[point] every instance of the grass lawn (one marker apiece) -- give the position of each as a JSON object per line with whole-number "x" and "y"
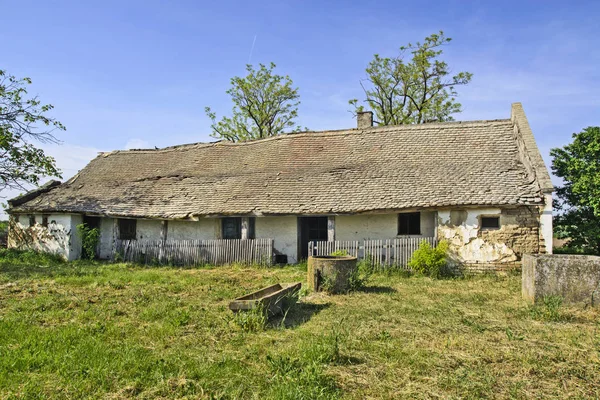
{"x": 121, "y": 331}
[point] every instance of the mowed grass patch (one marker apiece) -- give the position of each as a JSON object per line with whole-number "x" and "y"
{"x": 72, "y": 330}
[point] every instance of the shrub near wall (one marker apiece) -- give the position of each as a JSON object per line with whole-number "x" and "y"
{"x": 430, "y": 261}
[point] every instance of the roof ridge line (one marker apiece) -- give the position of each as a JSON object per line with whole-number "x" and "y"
{"x": 291, "y": 135}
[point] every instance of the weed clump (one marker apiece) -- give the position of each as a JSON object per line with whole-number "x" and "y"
{"x": 550, "y": 309}
{"x": 254, "y": 320}
{"x": 431, "y": 261}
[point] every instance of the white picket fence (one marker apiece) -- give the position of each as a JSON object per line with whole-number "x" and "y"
{"x": 382, "y": 253}
{"x": 196, "y": 252}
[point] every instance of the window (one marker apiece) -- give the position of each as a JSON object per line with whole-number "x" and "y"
{"x": 31, "y": 220}
{"x": 409, "y": 223}
{"x": 490, "y": 222}
{"x": 231, "y": 228}
{"x": 127, "y": 229}
{"x": 45, "y": 221}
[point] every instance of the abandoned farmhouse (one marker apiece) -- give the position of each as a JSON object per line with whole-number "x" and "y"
{"x": 480, "y": 185}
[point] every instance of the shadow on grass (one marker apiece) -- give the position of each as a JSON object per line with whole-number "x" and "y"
{"x": 299, "y": 314}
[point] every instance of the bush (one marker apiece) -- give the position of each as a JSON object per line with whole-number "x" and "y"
{"x": 3, "y": 233}
{"x": 430, "y": 261}
{"x": 360, "y": 276}
{"x": 90, "y": 237}
{"x": 339, "y": 253}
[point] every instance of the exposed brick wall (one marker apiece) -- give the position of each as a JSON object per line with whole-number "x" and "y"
{"x": 520, "y": 230}
{"x": 480, "y": 250}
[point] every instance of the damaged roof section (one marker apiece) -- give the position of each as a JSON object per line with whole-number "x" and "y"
{"x": 348, "y": 171}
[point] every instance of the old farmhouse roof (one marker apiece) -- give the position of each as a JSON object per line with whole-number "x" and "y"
{"x": 348, "y": 171}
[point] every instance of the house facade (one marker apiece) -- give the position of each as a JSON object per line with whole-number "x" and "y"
{"x": 480, "y": 185}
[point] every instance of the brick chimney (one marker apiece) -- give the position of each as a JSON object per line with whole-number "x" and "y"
{"x": 364, "y": 119}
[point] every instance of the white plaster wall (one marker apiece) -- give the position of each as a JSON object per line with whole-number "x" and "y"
{"x": 107, "y": 227}
{"x": 203, "y": 229}
{"x": 378, "y": 226}
{"x": 284, "y": 231}
{"x": 75, "y": 248}
{"x": 546, "y": 223}
{"x": 59, "y": 237}
{"x": 464, "y": 244}
{"x": 148, "y": 229}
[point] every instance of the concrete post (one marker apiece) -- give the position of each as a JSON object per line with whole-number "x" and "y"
{"x": 331, "y": 228}
{"x": 245, "y": 227}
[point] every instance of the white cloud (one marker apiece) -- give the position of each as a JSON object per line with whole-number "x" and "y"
{"x": 136, "y": 143}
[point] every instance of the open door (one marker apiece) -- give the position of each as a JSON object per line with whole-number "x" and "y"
{"x": 92, "y": 222}
{"x": 311, "y": 229}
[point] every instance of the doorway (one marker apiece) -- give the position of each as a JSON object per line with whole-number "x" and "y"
{"x": 311, "y": 229}
{"x": 92, "y": 223}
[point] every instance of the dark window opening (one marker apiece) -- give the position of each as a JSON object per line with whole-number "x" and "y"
{"x": 45, "y": 221}
{"x": 251, "y": 228}
{"x": 127, "y": 229}
{"x": 231, "y": 228}
{"x": 31, "y": 220}
{"x": 409, "y": 223}
{"x": 490, "y": 222}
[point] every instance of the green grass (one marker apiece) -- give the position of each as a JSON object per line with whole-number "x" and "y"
{"x": 95, "y": 330}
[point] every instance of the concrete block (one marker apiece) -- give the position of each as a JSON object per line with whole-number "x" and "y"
{"x": 575, "y": 278}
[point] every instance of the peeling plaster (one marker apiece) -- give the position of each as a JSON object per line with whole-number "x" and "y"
{"x": 460, "y": 228}
{"x": 55, "y": 238}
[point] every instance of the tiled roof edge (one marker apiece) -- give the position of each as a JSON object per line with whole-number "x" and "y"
{"x": 542, "y": 175}
{"x": 32, "y": 194}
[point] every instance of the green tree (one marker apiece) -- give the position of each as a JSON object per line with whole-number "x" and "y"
{"x": 414, "y": 91}
{"x": 24, "y": 124}
{"x": 578, "y": 200}
{"x": 264, "y": 104}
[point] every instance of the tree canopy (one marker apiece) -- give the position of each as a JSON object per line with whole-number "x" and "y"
{"x": 24, "y": 124}
{"x": 578, "y": 199}
{"x": 264, "y": 104}
{"x": 414, "y": 91}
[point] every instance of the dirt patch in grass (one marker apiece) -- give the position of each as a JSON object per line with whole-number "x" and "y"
{"x": 122, "y": 331}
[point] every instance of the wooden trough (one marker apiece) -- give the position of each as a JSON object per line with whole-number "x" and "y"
{"x": 274, "y": 299}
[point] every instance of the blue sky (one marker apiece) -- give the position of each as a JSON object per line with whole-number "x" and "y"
{"x": 127, "y": 74}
